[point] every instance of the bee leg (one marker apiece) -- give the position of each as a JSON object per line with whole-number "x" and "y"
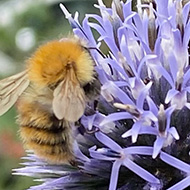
{"x": 73, "y": 163}
{"x": 93, "y": 130}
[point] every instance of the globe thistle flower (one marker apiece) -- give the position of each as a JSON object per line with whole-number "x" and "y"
{"x": 138, "y": 136}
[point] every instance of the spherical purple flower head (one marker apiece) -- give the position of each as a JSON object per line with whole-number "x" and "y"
{"x": 138, "y": 136}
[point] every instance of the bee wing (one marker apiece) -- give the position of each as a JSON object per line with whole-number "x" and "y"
{"x": 69, "y": 101}
{"x": 10, "y": 89}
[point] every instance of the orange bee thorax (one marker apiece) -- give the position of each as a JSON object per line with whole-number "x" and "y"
{"x": 52, "y": 62}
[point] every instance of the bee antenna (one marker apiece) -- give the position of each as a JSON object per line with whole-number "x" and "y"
{"x": 88, "y": 48}
{"x": 97, "y": 51}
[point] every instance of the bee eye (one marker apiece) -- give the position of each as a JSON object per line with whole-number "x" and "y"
{"x": 92, "y": 89}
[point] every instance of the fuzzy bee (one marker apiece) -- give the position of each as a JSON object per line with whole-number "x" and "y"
{"x": 50, "y": 94}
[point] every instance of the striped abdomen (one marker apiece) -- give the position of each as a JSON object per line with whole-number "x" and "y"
{"x": 42, "y": 132}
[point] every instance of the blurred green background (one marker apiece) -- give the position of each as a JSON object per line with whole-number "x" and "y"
{"x": 24, "y": 25}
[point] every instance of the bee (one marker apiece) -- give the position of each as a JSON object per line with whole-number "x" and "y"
{"x": 59, "y": 80}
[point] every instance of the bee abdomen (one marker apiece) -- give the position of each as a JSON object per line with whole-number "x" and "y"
{"x": 42, "y": 132}
{"x": 42, "y": 136}
{"x": 53, "y": 145}
{"x": 50, "y": 138}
